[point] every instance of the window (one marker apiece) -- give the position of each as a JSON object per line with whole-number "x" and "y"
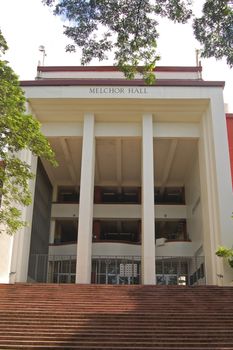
{"x": 68, "y": 195}
{"x": 66, "y": 231}
{"x": 169, "y": 195}
{"x": 171, "y": 230}
{"x": 120, "y": 230}
{"x": 62, "y": 271}
{"x": 129, "y": 195}
{"x": 172, "y": 271}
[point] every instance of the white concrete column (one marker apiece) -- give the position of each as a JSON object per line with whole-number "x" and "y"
{"x": 6, "y": 242}
{"x": 52, "y": 232}
{"x": 208, "y": 192}
{"x": 223, "y": 200}
{"x": 84, "y": 247}
{"x": 22, "y": 239}
{"x": 223, "y": 170}
{"x": 216, "y": 195}
{"x": 148, "y": 220}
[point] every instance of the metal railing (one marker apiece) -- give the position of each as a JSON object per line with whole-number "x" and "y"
{"x": 116, "y": 269}
{"x": 180, "y": 270}
{"x": 52, "y": 268}
{"x": 170, "y": 270}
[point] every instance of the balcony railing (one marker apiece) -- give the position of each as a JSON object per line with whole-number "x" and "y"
{"x": 117, "y": 269}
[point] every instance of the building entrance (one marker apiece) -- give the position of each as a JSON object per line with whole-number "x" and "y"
{"x": 116, "y": 270}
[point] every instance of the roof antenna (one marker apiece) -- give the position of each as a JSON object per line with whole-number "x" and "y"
{"x": 42, "y": 49}
{"x": 198, "y": 62}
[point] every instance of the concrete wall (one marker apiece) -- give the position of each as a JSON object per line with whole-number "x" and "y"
{"x": 194, "y": 204}
{"x": 5, "y": 256}
{"x": 127, "y": 249}
{"x": 41, "y": 218}
{"x": 229, "y": 121}
{"x": 122, "y": 211}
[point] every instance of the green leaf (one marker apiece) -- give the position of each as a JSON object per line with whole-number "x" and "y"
{"x": 19, "y": 131}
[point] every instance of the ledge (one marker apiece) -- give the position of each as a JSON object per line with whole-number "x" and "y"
{"x": 121, "y": 82}
{"x": 113, "y": 69}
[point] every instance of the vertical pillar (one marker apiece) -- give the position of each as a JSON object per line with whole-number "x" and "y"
{"x": 22, "y": 239}
{"x": 216, "y": 193}
{"x": 208, "y": 202}
{"x": 5, "y": 256}
{"x": 52, "y": 232}
{"x": 83, "y": 270}
{"x": 148, "y": 220}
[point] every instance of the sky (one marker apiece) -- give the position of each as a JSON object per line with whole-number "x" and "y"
{"x": 27, "y": 24}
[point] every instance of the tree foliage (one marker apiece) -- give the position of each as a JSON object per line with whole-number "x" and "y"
{"x": 226, "y": 253}
{"x": 18, "y": 131}
{"x": 130, "y": 29}
{"x": 215, "y": 29}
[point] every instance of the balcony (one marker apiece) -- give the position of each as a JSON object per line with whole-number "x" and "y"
{"x": 175, "y": 248}
{"x": 179, "y": 270}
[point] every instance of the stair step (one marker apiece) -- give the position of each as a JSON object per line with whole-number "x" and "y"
{"x": 94, "y": 317}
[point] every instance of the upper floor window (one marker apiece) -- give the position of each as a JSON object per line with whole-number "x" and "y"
{"x": 169, "y": 195}
{"x": 117, "y": 230}
{"x": 66, "y": 231}
{"x": 68, "y": 195}
{"x": 115, "y": 195}
{"x": 171, "y": 230}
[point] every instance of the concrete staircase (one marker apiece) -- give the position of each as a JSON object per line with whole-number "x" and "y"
{"x": 50, "y": 316}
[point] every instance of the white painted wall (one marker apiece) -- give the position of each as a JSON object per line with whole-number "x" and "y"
{"x": 123, "y": 211}
{"x": 176, "y": 249}
{"x": 116, "y": 249}
{"x": 194, "y": 204}
{"x": 5, "y": 256}
{"x": 154, "y": 92}
{"x": 223, "y": 184}
{"x": 216, "y": 188}
{"x": 118, "y": 129}
{"x": 119, "y": 211}
{"x": 114, "y": 75}
{"x": 126, "y": 249}
{"x": 63, "y": 249}
{"x": 22, "y": 238}
{"x": 62, "y": 129}
{"x": 63, "y": 211}
{"x": 104, "y": 129}
{"x": 173, "y": 130}
{"x": 170, "y": 211}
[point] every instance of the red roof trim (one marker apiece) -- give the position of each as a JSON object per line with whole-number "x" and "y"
{"x": 112, "y": 69}
{"x": 119, "y": 82}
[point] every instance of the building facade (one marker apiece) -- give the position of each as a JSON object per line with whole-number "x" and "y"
{"x": 143, "y": 190}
